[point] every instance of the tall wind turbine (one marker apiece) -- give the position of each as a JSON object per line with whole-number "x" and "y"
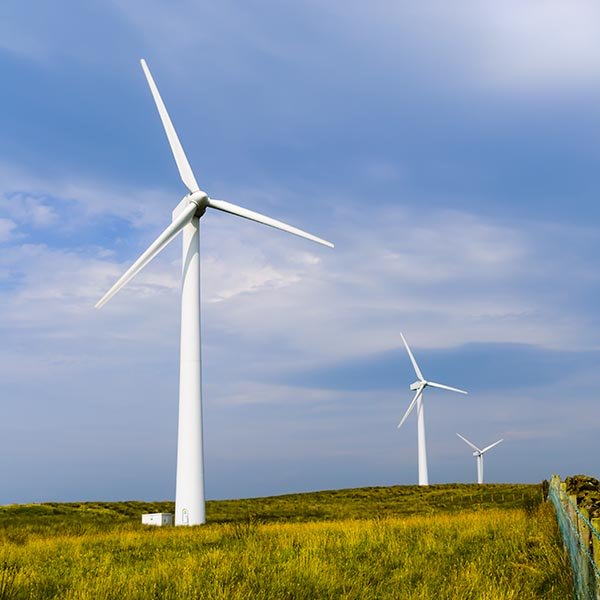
{"x": 189, "y": 497}
{"x": 478, "y": 454}
{"x": 419, "y": 387}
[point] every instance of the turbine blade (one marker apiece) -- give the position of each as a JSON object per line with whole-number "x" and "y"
{"x": 254, "y": 216}
{"x": 491, "y": 446}
{"x": 157, "y": 245}
{"x": 412, "y": 360}
{"x": 446, "y": 387}
{"x": 464, "y": 439}
{"x": 411, "y": 406}
{"x": 185, "y": 171}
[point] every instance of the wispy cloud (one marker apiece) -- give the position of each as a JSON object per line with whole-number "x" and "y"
{"x": 518, "y": 47}
{"x": 38, "y": 201}
{"x": 528, "y": 46}
{"x": 34, "y": 211}
{"x": 7, "y": 228}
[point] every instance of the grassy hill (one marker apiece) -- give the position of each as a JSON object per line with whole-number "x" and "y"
{"x": 445, "y": 541}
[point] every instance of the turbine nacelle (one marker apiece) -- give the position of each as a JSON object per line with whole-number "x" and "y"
{"x": 200, "y": 199}
{"x": 417, "y": 384}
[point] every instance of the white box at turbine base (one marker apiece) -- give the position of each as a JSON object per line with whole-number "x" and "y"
{"x": 158, "y": 519}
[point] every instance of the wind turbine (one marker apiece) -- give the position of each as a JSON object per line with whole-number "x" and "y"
{"x": 419, "y": 387}
{"x": 478, "y": 454}
{"x": 189, "y": 497}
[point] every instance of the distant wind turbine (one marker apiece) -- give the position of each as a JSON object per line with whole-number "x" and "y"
{"x": 478, "y": 454}
{"x": 419, "y": 387}
{"x": 189, "y": 497}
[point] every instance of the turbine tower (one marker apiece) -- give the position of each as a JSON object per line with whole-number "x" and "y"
{"x": 189, "y": 497}
{"x": 419, "y": 387}
{"x": 478, "y": 454}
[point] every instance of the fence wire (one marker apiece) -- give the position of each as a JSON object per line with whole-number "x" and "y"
{"x": 586, "y": 574}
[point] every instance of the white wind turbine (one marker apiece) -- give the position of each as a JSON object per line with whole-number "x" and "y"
{"x": 189, "y": 497}
{"x": 419, "y": 387}
{"x": 478, "y": 454}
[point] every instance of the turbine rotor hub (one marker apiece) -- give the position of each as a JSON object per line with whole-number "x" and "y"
{"x": 200, "y": 199}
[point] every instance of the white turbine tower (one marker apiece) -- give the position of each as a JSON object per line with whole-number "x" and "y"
{"x": 189, "y": 497}
{"x": 419, "y": 387}
{"x": 478, "y": 454}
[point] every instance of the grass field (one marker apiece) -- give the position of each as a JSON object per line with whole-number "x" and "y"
{"x": 491, "y": 541}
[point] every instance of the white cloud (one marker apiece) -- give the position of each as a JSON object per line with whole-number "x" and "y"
{"x": 448, "y": 279}
{"x": 31, "y": 210}
{"x": 535, "y": 44}
{"x": 515, "y": 46}
{"x": 453, "y": 279}
{"x": 29, "y": 199}
{"x": 7, "y": 229}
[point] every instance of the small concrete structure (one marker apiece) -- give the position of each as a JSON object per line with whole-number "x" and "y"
{"x": 158, "y": 519}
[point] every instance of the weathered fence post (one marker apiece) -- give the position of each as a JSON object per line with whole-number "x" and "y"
{"x": 587, "y": 574}
{"x": 596, "y": 548}
{"x": 595, "y": 542}
{"x": 571, "y": 508}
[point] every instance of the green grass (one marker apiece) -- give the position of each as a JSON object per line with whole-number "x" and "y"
{"x": 488, "y": 542}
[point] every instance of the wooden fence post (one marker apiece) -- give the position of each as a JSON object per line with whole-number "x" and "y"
{"x": 571, "y": 508}
{"x": 587, "y": 571}
{"x": 596, "y": 548}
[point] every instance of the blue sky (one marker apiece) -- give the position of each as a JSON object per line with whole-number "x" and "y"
{"x": 450, "y": 151}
